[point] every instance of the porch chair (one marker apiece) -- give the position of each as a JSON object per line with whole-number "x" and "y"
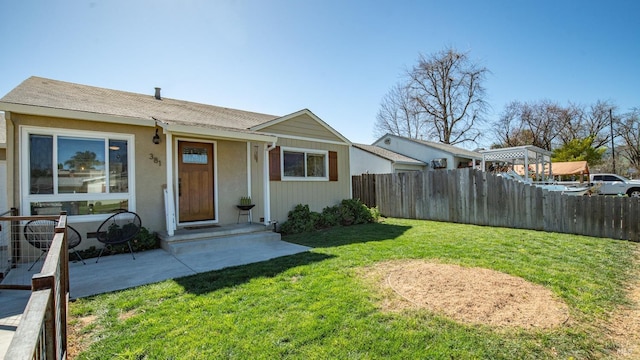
{"x": 119, "y": 228}
{"x": 39, "y": 233}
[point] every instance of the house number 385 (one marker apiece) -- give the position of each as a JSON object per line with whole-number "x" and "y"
{"x": 155, "y": 159}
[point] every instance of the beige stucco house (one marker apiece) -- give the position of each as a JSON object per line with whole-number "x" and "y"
{"x": 90, "y": 151}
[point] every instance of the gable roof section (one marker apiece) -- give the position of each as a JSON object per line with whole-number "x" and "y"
{"x": 46, "y": 97}
{"x": 279, "y": 127}
{"x": 453, "y": 150}
{"x": 389, "y": 155}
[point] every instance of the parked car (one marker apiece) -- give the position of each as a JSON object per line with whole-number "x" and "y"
{"x": 612, "y": 184}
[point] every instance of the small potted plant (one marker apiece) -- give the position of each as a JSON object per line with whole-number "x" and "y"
{"x": 246, "y": 203}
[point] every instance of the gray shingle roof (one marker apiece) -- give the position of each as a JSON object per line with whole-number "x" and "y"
{"x": 451, "y": 149}
{"x": 388, "y": 154}
{"x": 54, "y": 94}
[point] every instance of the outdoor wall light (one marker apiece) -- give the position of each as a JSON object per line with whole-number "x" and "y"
{"x": 156, "y": 138}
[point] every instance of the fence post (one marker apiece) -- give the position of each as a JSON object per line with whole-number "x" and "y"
{"x": 15, "y": 239}
{"x": 48, "y": 282}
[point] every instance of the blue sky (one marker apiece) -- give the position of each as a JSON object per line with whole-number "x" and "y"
{"x": 336, "y": 58}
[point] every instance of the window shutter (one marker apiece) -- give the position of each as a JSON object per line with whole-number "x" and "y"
{"x": 333, "y": 166}
{"x": 274, "y": 164}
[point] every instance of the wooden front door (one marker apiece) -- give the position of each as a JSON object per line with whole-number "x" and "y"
{"x": 195, "y": 181}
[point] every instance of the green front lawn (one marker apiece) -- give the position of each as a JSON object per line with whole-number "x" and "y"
{"x": 315, "y": 305}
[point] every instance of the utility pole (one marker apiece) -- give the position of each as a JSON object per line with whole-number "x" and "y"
{"x": 613, "y": 147}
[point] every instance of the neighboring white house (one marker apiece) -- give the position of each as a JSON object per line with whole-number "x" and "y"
{"x": 369, "y": 159}
{"x": 435, "y": 155}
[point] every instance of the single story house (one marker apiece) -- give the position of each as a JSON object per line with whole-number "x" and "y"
{"x": 370, "y": 159}
{"x": 435, "y": 155}
{"x": 178, "y": 164}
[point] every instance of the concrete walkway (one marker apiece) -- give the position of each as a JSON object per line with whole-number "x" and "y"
{"x": 119, "y": 272}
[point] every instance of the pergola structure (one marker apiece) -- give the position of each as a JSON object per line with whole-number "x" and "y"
{"x": 533, "y": 158}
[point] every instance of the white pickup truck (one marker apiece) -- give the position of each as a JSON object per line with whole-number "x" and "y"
{"x": 612, "y": 184}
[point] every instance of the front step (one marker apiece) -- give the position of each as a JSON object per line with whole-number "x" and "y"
{"x": 218, "y": 240}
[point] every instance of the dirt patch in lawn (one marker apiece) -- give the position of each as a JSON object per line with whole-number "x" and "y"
{"x": 470, "y": 295}
{"x": 624, "y": 325}
{"x": 78, "y": 337}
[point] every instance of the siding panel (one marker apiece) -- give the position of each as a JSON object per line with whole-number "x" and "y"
{"x": 302, "y": 126}
{"x": 317, "y": 194}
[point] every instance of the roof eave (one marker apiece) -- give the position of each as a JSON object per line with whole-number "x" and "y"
{"x": 469, "y": 156}
{"x": 410, "y": 163}
{"x": 218, "y": 133}
{"x": 73, "y": 114}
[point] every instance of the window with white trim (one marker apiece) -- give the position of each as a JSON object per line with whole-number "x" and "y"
{"x": 303, "y": 164}
{"x": 80, "y": 172}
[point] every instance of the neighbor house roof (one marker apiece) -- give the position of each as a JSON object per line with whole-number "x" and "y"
{"x": 45, "y": 96}
{"x": 389, "y": 155}
{"x": 457, "y": 151}
{"x": 454, "y": 150}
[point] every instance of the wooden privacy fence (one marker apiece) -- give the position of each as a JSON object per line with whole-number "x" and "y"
{"x": 471, "y": 196}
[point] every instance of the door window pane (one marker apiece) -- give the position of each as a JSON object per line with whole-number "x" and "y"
{"x": 41, "y": 164}
{"x": 194, "y": 155}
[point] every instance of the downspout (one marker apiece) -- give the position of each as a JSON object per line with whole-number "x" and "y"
{"x": 169, "y": 193}
{"x": 249, "y": 169}
{"x": 266, "y": 182}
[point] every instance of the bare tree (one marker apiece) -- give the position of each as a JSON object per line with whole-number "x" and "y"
{"x": 399, "y": 115}
{"x": 548, "y": 125}
{"x": 442, "y": 99}
{"x": 537, "y": 124}
{"x": 572, "y": 124}
{"x": 629, "y": 131}
{"x": 447, "y": 87}
{"x": 597, "y": 122}
{"x": 509, "y": 130}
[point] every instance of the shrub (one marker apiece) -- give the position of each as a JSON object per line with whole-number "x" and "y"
{"x": 355, "y": 212}
{"x": 300, "y": 219}
{"x": 375, "y": 213}
{"x": 348, "y": 212}
{"x": 330, "y": 216}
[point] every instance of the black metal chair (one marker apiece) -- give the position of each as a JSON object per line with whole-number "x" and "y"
{"x": 39, "y": 233}
{"x": 119, "y": 228}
